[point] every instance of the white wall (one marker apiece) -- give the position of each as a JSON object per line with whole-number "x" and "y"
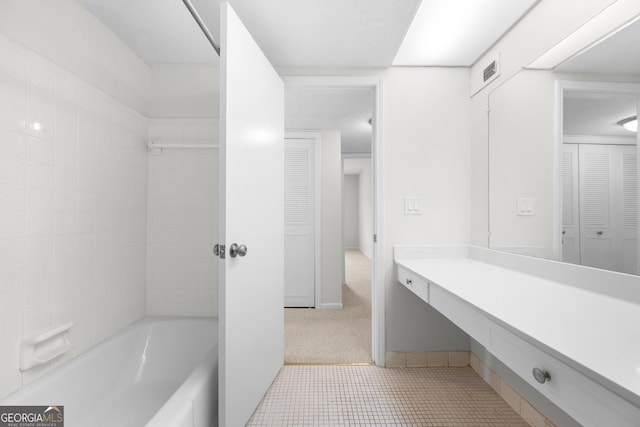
{"x": 184, "y": 91}
{"x": 522, "y": 162}
{"x": 351, "y": 203}
{"x": 67, "y": 34}
{"x": 182, "y": 273}
{"x": 182, "y": 225}
{"x": 365, "y": 211}
{"x": 331, "y": 223}
{"x": 426, "y": 154}
{"x": 72, "y": 196}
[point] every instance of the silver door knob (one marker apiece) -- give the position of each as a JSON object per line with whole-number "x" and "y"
{"x": 218, "y": 250}
{"x": 235, "y": 250}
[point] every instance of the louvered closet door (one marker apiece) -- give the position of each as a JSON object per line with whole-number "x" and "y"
{"x": 596, "y": 205}
{"x": 570, "y": 207}
{"x": 629, "y": 228}
{"x": 299, "y": 285}
{"x": 608, "y": 207}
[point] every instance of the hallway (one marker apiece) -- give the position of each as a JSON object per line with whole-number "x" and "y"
{"x": 334, "y": 336}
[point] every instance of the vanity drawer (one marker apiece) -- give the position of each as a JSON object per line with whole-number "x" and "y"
{"x": 590, "y": 403}
{"x": 413, "y": 282}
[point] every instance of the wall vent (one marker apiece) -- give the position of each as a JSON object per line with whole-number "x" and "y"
{"x": 490, "y": 70}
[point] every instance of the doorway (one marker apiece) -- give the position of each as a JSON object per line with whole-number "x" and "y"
{"x": 373, "y": 84}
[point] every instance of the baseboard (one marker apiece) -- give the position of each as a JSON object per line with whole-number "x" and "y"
{"x": 526, "y": 410}
{"x": 329, "y": 306}
{"x": 429, "y": 359}
{"x": 465, "y": 358}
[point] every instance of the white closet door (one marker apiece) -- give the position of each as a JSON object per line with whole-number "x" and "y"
{"x": 299, "y": 273}
{"x": 629, "y": 217}
{"x": 596, "y": 188}
{"x": 608, "y": 207}
{"x": 570, "y": 206}
{"x": 251, "y": 330}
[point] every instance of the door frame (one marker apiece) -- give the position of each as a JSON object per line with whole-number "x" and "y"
{"x": 561, "y": 88}
{"x": 317, "y": 209}
{"x": 378, "y": 291}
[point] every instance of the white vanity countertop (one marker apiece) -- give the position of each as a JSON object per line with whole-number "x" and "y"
{"x": 598, "y": 332}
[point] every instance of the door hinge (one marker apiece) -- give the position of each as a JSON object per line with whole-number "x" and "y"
{"x": 375, "y": 238}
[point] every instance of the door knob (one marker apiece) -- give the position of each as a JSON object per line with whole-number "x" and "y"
{"x": 218, "y": 250}
{"x": 235, "y": 250}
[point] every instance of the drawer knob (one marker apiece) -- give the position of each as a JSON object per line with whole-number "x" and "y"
{"x": 541, "y": 375}
{"x": 409, "y": 282}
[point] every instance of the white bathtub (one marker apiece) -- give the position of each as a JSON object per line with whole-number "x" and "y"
{"x": 160, "y": 371}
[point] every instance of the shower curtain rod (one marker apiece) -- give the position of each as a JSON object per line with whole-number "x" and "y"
{"x": 202, "y": 26}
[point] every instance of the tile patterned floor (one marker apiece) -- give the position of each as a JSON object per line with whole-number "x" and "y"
{"x": 372, "y": 396}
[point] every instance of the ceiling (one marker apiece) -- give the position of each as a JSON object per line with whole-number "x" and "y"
{"x": 319, "y": 33}
{"x": 617, "y": 53}
{"x": 159, "y": 31}
{"x": 355, "y": 166}
{"x": 597, "y": 114}
{"x": 346, "y": 109}
{"x": 292, "y": 33}
{"x": 362, "y": 34}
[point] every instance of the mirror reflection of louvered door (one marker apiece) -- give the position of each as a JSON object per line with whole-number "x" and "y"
{"x": 570, "y": 206}
{"x": 299, "y": 273}
{"x": 608, "y": 207}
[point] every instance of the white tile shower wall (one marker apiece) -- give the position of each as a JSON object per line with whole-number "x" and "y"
{"x": 72, "y": 208}
{"x": 182, "y": 222}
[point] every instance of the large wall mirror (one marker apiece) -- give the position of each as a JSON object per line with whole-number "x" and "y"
{"x": 563, "y": 181}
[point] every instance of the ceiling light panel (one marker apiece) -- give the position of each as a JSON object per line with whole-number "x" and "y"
{"x": 457, "y": 32}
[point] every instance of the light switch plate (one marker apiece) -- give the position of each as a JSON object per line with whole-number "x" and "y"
{"x": 526, "y": 206}
{"x": 413, "y": 205}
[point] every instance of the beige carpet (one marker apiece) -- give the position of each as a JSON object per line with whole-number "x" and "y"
{"x": 334, "y": 336}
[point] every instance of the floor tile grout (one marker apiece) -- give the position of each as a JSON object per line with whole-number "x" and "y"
{"x": 324, "y": 395}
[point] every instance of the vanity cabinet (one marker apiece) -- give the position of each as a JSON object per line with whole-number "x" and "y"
{"x": 541, "y": 329}
{"x": 415, "y": 283}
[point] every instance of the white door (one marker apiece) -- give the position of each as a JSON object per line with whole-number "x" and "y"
{"x": 596, "y": 216}
{"x": 608, "y": 207}
{"x": 251, "y": 312}
{"x": 299, "y": 223}
{"x": 570, "y": 205}
{"x": 628, "y": 228}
